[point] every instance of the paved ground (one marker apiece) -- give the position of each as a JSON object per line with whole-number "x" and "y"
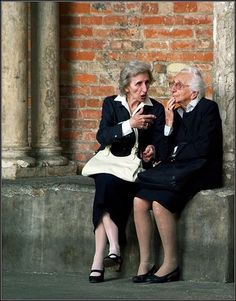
{"x": 76, "y": 287}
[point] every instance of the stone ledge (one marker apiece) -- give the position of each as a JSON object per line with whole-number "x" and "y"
{"x": 17, "y": 172}
{"x": 47, "y": 227}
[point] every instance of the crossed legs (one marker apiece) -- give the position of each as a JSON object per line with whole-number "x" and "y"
{"x": 166, "y": 225}
{"x": 106, "y": 230}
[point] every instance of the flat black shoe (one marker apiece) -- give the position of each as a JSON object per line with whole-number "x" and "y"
{"x": 173, "y": 276}
{"x": 143, "y": 278}
{"x": 97, "y": 279}
{"x": 113, "y": 260}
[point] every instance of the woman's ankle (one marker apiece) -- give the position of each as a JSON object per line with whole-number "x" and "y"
{"x": 114, "y": 251}
{"x": 144, "y": 267}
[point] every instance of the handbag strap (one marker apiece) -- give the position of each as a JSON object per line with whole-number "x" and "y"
{"x": 135, "y": 147}
{"x": 136, "y": 137}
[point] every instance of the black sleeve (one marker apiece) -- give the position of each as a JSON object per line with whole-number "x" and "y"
{"x": 207, "y": 141}
{"x": 110, "y": 127}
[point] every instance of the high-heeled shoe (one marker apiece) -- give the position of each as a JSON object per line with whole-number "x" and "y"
{"x": 143, "y": 278}
{"x": 172, "y": 276}
{"x": 97, "y": 279}
{"x": 112, "y": 260}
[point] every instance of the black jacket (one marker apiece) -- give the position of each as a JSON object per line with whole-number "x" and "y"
{"x": 199, "y": 135}
{"x": 110, "y": 128}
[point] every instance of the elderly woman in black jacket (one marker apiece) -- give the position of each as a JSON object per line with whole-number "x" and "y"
{"x": 132, "y": 110}
{"x": 193, "y": 131}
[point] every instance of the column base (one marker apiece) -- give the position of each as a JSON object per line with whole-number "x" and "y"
{"x": 49, "y": 156}
{"x": 23, "y": 161}
{"x": 52, "y": 161}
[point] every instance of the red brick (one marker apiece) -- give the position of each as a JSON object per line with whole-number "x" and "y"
{"x": 183, "y": 45}
{"x": 102, "y": 91}
{"x": 93, "y": 44}
{"x": 156, "y": 45}
{"x": 90, "y": 114}
{"x": 76, "y": 32}
{"x": 175, "y": 33}
{"x": 78, "y": 55}
{"x": 72, "y": 135}
{"x": 74, "y": 8}
{"x": 88, "y": 136}
{"x": 205, "y": 7}
{"x": 72, "y": 90}
{"x": 133, "y": 7}
{"x": 185, "y": 7}
{"x": 115, "y": 20}
{"x": 85, "y": 78}
{"x": 204, "y": 33}
{"x": 149, "y": 8}
{"x": 70, "y": 44}
{"x": 91, "y": 20}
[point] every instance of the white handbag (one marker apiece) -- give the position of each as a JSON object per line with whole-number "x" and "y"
{"x": 126, "y": 168}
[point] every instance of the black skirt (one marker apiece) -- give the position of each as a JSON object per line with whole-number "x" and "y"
{"x": 115, "y": 196}
{"x": 173, "y": 201}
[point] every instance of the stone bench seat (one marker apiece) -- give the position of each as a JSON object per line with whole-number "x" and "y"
{"x": 47, "y": 227}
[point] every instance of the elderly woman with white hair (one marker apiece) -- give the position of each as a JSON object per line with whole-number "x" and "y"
{"x": 193, "y": 130}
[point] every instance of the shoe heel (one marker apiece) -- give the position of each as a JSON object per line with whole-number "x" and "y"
{"x": 174, "y": 276}
{"x": 97, "y": 279}
{"x": 114, "y": 261}
{"x": 119, "y": 266}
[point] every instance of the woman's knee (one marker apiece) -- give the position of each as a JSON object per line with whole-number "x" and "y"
{"x": 158, "y": 209}
{"x": 141, "y": 204}
{"x": 161, "y": 211}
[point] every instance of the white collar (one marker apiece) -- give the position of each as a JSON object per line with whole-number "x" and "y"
{"x": 190, "y": 106}
{"x": 122, "y": 99}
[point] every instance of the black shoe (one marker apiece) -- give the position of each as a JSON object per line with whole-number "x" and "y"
{"x": 173, "y": 276}
{"x": 143, "y": 277}
{"x": 97, "y": 279}
{"x": 113, "y": 260}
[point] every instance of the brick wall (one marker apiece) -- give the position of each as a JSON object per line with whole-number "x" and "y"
{"x": 97, "y": 38}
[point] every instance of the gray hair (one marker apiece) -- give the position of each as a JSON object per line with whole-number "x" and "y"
{"x": 132, "y": 69}
{"x": 196, "y": 83}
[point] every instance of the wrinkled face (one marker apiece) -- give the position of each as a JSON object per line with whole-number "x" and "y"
{"x": 180, "y": 89}
{"x": 138, "y": 87}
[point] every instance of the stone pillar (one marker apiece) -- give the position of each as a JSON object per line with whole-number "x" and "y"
{"x": 45, "y": 84}
{"x": 224, "y": 85}
{"x": 15, "y": 144}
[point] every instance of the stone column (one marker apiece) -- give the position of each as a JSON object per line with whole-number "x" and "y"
{"x": 15, "y": 145}
{"x": 224, "y": 85}
{"x": 45, "y": 84}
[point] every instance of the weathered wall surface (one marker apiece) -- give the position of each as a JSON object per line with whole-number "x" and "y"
{"x": 224, "y": 76}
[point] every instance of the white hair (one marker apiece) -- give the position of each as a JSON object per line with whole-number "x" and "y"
{"x": 196, "y": 83}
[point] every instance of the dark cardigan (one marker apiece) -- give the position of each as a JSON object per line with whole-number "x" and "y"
{"x": 199, "y": 135}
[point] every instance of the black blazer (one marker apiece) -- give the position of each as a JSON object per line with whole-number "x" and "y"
{"x": 110, "y": 128}
{"x": 199, "y": 135}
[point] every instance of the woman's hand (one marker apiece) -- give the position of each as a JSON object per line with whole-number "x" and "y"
{"x": 169, "y": 113}
{"x": 148, "y": 153}
{"x": 140, "y": 121}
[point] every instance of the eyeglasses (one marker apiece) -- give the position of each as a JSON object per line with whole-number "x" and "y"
{"x": 177, "y": 85}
